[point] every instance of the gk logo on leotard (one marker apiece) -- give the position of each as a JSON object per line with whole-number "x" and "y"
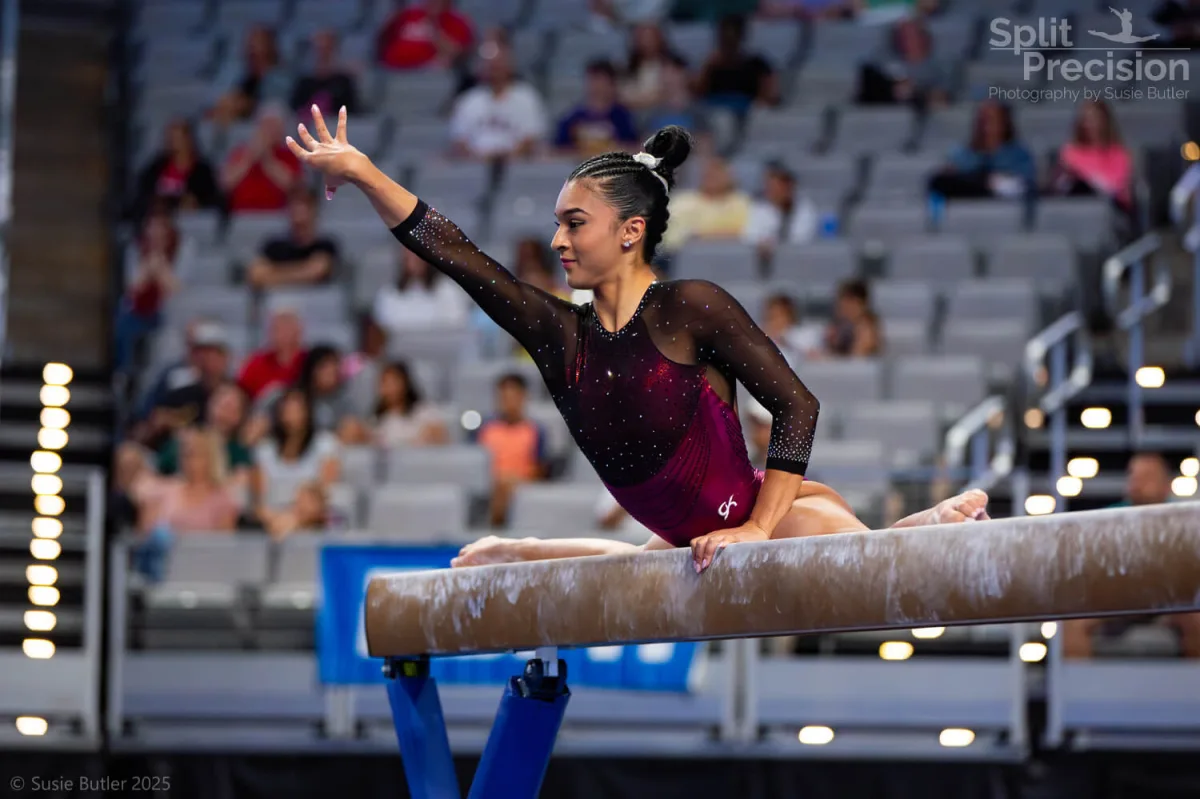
{"x": 726, "y": 506}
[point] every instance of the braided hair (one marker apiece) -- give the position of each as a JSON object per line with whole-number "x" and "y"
{"x": 635, "y": 189}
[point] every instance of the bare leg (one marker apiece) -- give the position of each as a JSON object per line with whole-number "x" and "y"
{"x": 819, "y": 510}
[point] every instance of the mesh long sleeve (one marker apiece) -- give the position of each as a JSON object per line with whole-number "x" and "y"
{"x": 537, "y": 320}
{"x": 728, "y": 338}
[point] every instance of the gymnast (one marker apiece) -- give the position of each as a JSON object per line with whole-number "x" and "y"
{"x": 644, "y": 375}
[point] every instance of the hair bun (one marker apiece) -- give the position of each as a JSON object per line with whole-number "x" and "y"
{"x": 672, "y": 144}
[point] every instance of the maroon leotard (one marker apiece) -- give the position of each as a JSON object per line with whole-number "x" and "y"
{"x": 651, "y": 405}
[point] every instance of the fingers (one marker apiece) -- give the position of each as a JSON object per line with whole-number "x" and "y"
{"x": 341, "y": 125}
{"x": 704, "y": 551}
{"x": 296, "y": 149}
{"x": 319, "y": 124}
{"x": 306, "y": 137}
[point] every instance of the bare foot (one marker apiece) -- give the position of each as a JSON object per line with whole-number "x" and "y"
{"x": 488, "y": 550}
{"x": 968, "y": 506}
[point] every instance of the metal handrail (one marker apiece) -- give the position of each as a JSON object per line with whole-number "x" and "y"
{"x": 1132, "y": 258}
{"x": 1068, "y": 327}
{"x": 969, "y": 436}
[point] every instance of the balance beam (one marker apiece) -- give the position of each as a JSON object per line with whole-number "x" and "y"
{"x": 1082, "y": 564}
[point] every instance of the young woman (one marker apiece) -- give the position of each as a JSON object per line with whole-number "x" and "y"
{"x": 644, "y": 376}
{"x": 1095, "y": 162}
{"x": 295, "y": 453}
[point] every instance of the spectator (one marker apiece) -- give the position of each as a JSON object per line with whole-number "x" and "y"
{"x": 421, "y": 299}
{"x": 719, "y": 210}
{"x": 854, "y": 331}
{"x": 499, "y": 118}
{"x": 994, "y": 164}
{"x": 1182, "y": 17}
{"x": 293, "y": 454}
{"x": 517, "y": 445}
{"x": 187, "y": 402}
{"x": 781, "y": 323}
{"x": 329, "y": 85}
{"x": 1147, "y": 482}
{"x": 308, "y": 511}
{"x": 909, "y": 73}
{"x": 734, "y": 79}
{"x": 1095, "y": 162}
{"x": 301, "y": 258}
{"x": 199, "y": 335}
{"x": 153, "y": 282}
{"x": 264, "y": 79}
{"x": 429, "y": 34}
{"x": 678, "y": 105}
{"x": 361, "y": 370}
{"x": 321, "y": 379}
{"x": 600, "y": 124}
{"x": 224, "y": 418}
{"x": 402, "y": 417}
{"x": 260, "y": 174}
{"x": 533, "y": 265}
{"x": 178, "y": 176}
{"x": 780, "y": 216}
{"x": 644, "y": 85}
{"x": 280, "y": 362}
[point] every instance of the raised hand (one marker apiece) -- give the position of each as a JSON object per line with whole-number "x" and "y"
{"x": 331, "y": 155}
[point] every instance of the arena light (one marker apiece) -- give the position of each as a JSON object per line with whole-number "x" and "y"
{"x": 956, "y": 737}
{"x": 1183, "y": 486}
{"x": 57, "y": 374}
{"x": 928, "y": 633}
{"x": 814, "y": 735}
{"x": 1198, "y": 418}
{"x": 1150, "y": 377}
{"x": 49, "y": 505}
{"x": 1049, "y": 629}
{"x": 55, "y": 396}
{"x": 44, "y": 596}
{"x": 55, "y": 418}
{"x": 471, "y": 420}
{"x": 45, "y": 549}
{"x": 41, "y": 575}
{"x": 1190, "y": 151}
{"x": 1096, "y": 418}
{"x": 895, "y": 650}
{"x": 1039, "y": 504}
{"x": 38, "y": 648}
{"x": 52, "y": 438}
{"x": 46, "y": 527}
{"x": 1190, "y": 467}
{"x": 40, "y": 621}
{"x": 32, "y": 725}
{"x": 1069, "y": 486}
{"x": 45, "y": 462}
{"x": 1083, "y": 468}
{"x": 1032, "y": 652}
{"x": 46, "y": 485}
{"x": 1034, "y": 418}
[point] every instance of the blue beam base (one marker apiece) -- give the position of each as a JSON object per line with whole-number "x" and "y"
{"x": 421, "y": 730}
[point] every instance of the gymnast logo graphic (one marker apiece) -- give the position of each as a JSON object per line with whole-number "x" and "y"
{"x": 1126, "y": 35}
{"x": 726, "y": 506}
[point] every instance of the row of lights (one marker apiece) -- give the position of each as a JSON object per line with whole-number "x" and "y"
{"x": 954, "y": 737}
{"x": 47, "y": 526}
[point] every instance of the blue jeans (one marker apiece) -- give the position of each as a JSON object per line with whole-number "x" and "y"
{"x": 129, "y": 331}
{"x": 150, "y": 556}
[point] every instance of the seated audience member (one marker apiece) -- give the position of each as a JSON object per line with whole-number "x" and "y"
{"x": 427, "y": 34}
{"x": 402, "y": 417}
{"x": 197, "y": 500}
{"x": 678, "y": 105}
{"x": 361, "y": 370}
{"x": 781, "y": 323}
{"x": 854, "y": 331}
{"x": 719, "y": 210}
{"x": 600, "y": 124}
{"x": 151, "y": 284}
{"x": 186, "y": 403}
{"x": 422, "y": 298}
{"x": 994, "y": 164}
{"x": 223, "y": 420}
{"x": 263, "y": 80}
{"x": 1095, "y": 162}
{"x": 261, "y": 174}
{"x": 293, "y": 453}
{"x": 781, "y": 216}
{"x": 501, "y": 117}
{"x": 303, "y": 257}
{"x": 322, "y": 382}
{"x": 734, "y": 79}
{"x": 178, "y": 177}
{"x": 643, "y": 86}
{"x": 1147, "y": 482}
{"x": 909, "y": 73}
{"x": 280, "y": 362}
{"x": 1182, "y": 19}
{"x": 516, "y": 443}
{"x": 308, "y": 512}
{"x": 199, "y": 335}
{"x": 329, "y": 86}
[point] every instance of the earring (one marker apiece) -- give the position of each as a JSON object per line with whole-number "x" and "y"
{"x": 627, "y": 244}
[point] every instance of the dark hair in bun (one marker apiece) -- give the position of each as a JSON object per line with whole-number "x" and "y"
{"x": 633, "y": 189}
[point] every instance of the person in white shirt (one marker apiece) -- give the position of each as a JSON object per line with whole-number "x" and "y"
{"x": 501, "y": 117}
{"x": 780, "y": 216}
{"x": 421, "y": 299}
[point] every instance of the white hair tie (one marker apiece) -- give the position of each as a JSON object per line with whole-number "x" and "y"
{"x": 651, "y": 163}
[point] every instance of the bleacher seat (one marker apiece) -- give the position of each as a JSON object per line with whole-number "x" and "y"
{"x": 229, "y": 305}
{"x": 417, "y": 513}
{"x": 827, "y": 179}
{"x": 850, "y": 465}
{"x": 907, "y": 430}
{"x": 771, "y": 131}
{"x": 1087, "y": 221}
{"x": 887, "y": 224}
{"x": 289, "y": 600}
{"x": 908, "y": 300}
{"x": 249, "y": 231}
{"x": 474, "y": 385}
{"x": 877, "y": 131}
{"x": 466, "y": 465}
{"x": 558, "y": 436}
{"x": 940, "y": 259}
{"x": 825, "y": 261}
{"x": 555, "y": 511}
{"x": 982, "y": 221}
{"x": 719, "y": 261}
{"x": 906, "y": 336}
{"x": 1047, "y": 258}
{"x": 845, "y": 381}
{"x": 984, "y": 301}
{"x": 945, "y": 129}
{"x": 360, "y": 466}
{"x": 316, "y": 305}
{"x": 955, "y": 383}
{"x": 999, "y": 343}
{"x": 901, "y": 178}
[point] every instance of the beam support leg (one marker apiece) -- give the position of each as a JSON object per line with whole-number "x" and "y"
{"x": 421, "y": 730}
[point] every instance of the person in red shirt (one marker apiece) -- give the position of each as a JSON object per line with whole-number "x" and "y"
{"x": 178, "y": 176}
{"x": 152, "y": 283}
{"x": 280, "y": 362}
{"x": 425, "y": 35}
{"x": 260, "y": 174}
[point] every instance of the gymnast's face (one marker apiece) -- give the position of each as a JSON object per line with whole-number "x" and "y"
{"x": 590, "y": 236}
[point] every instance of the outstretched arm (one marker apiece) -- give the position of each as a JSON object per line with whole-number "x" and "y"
{"x": 535, "y": 318}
